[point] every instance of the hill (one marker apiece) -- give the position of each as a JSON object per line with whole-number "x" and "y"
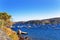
{"x": 45, "y": 21}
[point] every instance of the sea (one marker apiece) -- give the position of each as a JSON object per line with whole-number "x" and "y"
{"x": 39, "y": 32}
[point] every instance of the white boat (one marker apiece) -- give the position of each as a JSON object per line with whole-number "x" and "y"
{"x": 21, "y": 32}
{"x": 18, "y": 26}
{"x": 29, "y": 26}
{"x": 24, "y": 33}
{"x": 12, "y": 26}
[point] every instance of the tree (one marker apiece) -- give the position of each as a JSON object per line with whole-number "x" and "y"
{"x": 4, "y": 16}
{"x": 5, "y": 19}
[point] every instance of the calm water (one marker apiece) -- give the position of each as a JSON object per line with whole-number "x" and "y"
{"x": 41, "y": 32}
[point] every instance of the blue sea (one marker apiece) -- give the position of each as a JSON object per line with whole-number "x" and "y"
{"x": 40, "y": 32}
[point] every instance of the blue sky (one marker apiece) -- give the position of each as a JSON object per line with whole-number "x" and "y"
{"x": 23, "y": 10}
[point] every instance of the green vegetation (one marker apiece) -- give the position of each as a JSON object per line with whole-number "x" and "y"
{"x": 5, "y": 19}
{"x": 4, "y": 16}
{"x": 4, "y": 22}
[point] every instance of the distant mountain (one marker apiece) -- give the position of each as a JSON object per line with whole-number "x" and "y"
{"x": 52, "y": 22}
{"x": 45, "y": 21}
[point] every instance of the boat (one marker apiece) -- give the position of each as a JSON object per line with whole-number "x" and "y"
{"x": 21, "y": 32}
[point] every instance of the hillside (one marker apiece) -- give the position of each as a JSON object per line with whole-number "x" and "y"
{"x": 4, "y": 36}
{"x": 45, "y": 21}
{"x": 11, "y": 35}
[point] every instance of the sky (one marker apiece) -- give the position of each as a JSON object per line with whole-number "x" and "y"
{"x": 24, "y": 10}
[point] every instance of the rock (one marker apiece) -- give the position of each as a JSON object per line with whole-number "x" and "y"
{"x": 12, "y": 34}
{"x": 4, "y": 36}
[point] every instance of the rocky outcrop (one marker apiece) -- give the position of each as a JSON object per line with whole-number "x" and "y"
{"x": 10, "y": 33}
{"x": 4, "y": 36}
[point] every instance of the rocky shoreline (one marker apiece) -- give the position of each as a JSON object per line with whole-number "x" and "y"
{"x": 8, "y": 34}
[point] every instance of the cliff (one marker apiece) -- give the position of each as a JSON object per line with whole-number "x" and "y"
{"x": 13, "y": 35}
{"x": 4, "y": 36}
